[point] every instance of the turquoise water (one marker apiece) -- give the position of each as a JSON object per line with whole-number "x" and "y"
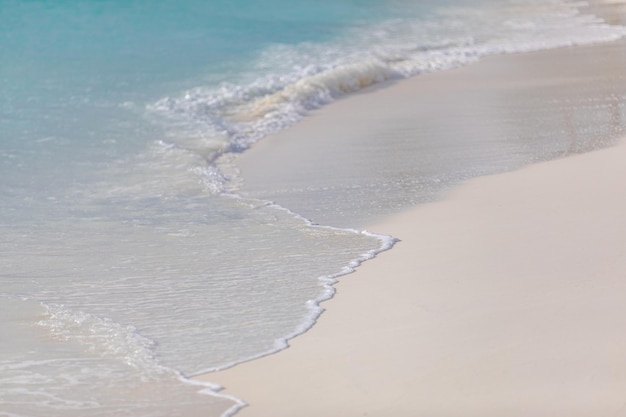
{"x": 129, "y": 261}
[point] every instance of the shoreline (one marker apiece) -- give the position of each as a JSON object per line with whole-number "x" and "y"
{"x": 324, "y": 167}
{"x": 424, "y": 341}
{"x": 505, "y": 298}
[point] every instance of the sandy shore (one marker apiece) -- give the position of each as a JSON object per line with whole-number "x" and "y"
{"x": 351, "y": 163}
{"x": 505, "y": 298}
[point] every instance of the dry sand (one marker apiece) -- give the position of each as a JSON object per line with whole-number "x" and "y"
{"x": 506, "y": 298}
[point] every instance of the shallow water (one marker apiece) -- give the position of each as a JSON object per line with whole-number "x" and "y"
{"x": 129, "y": 260}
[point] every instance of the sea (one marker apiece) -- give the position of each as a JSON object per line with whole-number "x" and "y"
{"x": 129, "y": 260}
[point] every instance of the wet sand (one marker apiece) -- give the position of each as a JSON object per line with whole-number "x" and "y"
{"x": 503, "y": 298}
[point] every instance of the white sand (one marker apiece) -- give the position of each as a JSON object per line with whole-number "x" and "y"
{"x": 507, "y": 298}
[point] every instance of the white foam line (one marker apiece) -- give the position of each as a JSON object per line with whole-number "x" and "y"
{"x": 327, "y": 281}
{"x": 213, "y": 390}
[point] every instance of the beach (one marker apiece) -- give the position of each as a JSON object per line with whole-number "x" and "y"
{"x": 187, "y": 186}
{"x": 502, "y": 298}
{"x": 506, "y": 299}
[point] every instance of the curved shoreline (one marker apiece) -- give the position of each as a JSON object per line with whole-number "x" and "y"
{"x": 433, "y": 328}
{"x": 506, "y": 298}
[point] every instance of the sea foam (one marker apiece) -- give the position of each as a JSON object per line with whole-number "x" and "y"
{"x": 288, "y": 81}
{"x": 136, "y": 262}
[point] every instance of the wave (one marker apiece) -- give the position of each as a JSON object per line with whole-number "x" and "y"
{"x": 95, "y": 352}
{"x": 286, "y": 82}
{"x": 107, "y": 337}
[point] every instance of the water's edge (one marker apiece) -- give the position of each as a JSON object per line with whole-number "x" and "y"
{"x": 227, "y": 162}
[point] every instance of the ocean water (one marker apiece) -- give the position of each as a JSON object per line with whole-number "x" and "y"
{"x": 130, "y": 262}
